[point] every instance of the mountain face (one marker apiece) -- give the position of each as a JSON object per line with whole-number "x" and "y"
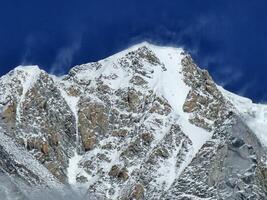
{"x": 146, "y": 123}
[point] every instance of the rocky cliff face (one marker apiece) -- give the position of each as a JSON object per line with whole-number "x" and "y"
{"x": 145, "y": 123}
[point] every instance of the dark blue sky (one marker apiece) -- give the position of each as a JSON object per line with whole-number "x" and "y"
{"x": 226, "y": 37}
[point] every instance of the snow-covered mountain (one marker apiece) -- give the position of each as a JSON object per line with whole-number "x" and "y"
{"x": 145, "y": 123}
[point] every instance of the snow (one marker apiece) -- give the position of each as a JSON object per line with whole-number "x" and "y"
{"x": 31, "y": 75}
{"x": 189, "y": 196}
{"x": 255, "y": 115}
{"x": 73, "y": 168}
{"x": 171, "y": 86}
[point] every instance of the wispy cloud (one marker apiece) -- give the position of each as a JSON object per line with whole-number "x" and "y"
{"x": 65, "y": 56}
{"x": 244, "y": 89}
{"x": 227, "y": 75}
{"x": 28, "y": 45}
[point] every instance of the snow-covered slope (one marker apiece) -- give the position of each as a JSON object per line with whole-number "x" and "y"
{"x": 255, "y": 115}
{"x": 25, "y": 76}
{"x": 145, "y": 123}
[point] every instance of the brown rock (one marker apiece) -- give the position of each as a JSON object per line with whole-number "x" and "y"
{"x": 138, "y": 80}
{"x": 108, "y": 146}
{"x": 45, "y": 148}
{"x": 56, "y": 170}
{"x": 117, "y": 172}
{"x": 190, "y": 105}
{"x": 211, "y": 89}
{"x": 137, "y": 192}
{"x": 133, "y": 99}
{"x": 114, "y": 171}
{"x": 81, "y": 179}
{"x": 200, "y": 122}
{"x": 145, "y": 53}
{"x": 9, "y": 113}
{"x": 120, "y": 133}
{"x": 30, "y": 143}
{"x": 54, "y": 139}
{"x": 147, "y": 137}
{"x": 89, "y": 143}
{"x": 93, "y": 119}
{"x": 133, "y": 149}
{"x": 104, "y": 88}
{"x": 123, "y": 174}
{"x": 162, "y": 152}
{"x": 161, "y": 107}
{"x": 72, "y": 91}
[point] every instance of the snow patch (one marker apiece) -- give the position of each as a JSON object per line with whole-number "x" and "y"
{"x": 73, "y": 168}
{"x": 29, "y": 78}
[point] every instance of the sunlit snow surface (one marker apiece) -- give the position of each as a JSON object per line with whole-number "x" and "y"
{"x": 31, "y": 75}
{"x": 170, "y": 85}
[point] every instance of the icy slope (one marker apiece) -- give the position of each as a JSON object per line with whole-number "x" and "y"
{"x": 255, "y": 115}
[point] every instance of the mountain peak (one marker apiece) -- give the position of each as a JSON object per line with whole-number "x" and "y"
{"x": 145, "y": 123}
{"x": 153, "y": 46}
{"x": 28, "y": 68}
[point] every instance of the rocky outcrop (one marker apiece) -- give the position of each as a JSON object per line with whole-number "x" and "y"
{"x": 229, "y": 169}
{"x": 45, "y": 123}
{"x": 204, "y": 101}
{"x": 93, "y": 122}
